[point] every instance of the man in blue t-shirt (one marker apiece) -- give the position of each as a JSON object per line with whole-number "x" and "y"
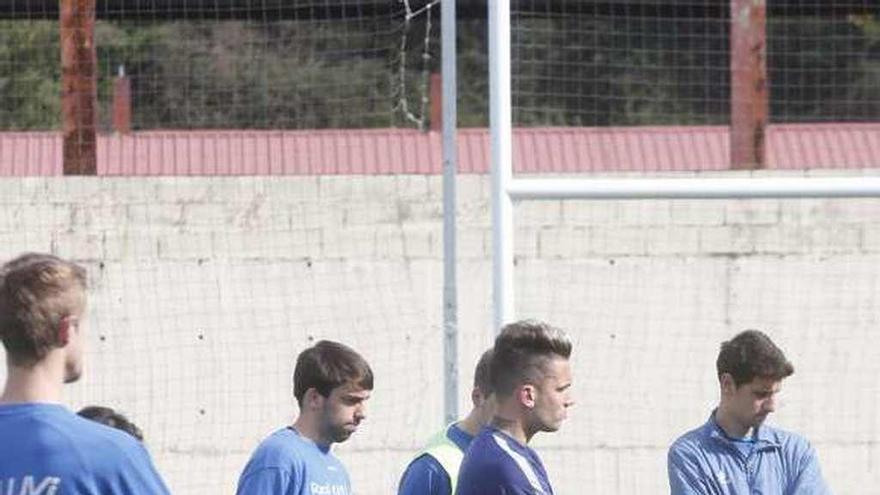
{"x": 331, "y": 383}
{"x": 734, "y": 452}
{"x": 434, "y": 471}
{"x": 531, "y": 380}
{"x": 46, "y": 448}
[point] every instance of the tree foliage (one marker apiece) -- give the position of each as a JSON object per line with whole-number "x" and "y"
{"x": 567, "y": 71}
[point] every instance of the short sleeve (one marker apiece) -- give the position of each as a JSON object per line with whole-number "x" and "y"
{"x": 126, "y": 469}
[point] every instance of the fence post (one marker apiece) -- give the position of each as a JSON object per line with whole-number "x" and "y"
{"x": 436, "y": 92}
{"x": 78, "y": 86}
{"x": 122, "y": 103}
{"x": 749, "y": 105}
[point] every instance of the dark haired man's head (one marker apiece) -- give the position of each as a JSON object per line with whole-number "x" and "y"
{"x": 483, "y": 374}
{"x": 328, "y": 365}
{"x": 111, "y": 418}
{"x": 750, "y": 372}
{"x": 751, "y": 354}
{"x": 332, "y": 383}
{"x": 481, "y": 394}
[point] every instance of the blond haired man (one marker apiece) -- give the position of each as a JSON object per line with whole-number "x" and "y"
{"x": 42, "y": 321}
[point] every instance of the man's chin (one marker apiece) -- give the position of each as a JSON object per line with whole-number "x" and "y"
{"x": 550, "y": 428}
{"x": 344, "y": 434}
{"x": 71, "y": 376}
{"x": 759, "y": 420}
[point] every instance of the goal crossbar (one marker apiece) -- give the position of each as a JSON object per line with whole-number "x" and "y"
{"x": 694, "y": 188}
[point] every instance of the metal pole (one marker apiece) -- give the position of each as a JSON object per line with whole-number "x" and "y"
{"x": 500, "y": 121}
{"x": 450, "y": 151}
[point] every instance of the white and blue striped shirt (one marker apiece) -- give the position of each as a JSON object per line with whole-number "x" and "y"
{"x": 496, "y": 464}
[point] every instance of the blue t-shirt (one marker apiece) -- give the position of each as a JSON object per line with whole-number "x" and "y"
{"x": 287, "y": 463}
{"x": 496, "y": 464}
{"x": 425, "y": 476}
{"x": 706, "y": 461}
{"x": 45, "y": 449}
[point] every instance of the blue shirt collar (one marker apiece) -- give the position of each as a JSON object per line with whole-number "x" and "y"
{"x": 325, "y": 449}
{"x": 459, "y": 437}
{"x": 762, "y": 436}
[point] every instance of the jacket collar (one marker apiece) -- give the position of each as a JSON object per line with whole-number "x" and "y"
{"x": 762, "y": 435}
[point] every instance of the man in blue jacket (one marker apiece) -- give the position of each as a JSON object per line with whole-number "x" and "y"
{"x": 45, "y": 448}
{"x": 434, "y": 471}
{"x": 734, "y": 452}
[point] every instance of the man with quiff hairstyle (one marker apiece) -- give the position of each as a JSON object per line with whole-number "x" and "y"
{"x": 531, "y": 380}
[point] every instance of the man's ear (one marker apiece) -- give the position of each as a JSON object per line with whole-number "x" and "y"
{"x": 476, "y": 397}
{"x": 65, "y": 327}
{"x": 526, "y": 394}
{"x": 313, "y": 399}
{"x": 728, "y": 384}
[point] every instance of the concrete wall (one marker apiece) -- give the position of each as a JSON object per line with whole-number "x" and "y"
{"x": 204, "y": 291}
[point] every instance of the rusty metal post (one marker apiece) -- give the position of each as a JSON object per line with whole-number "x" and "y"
{"x": 436, "y": 101}
{"x": 79, "y": 86}
{"x": 749, "y": 105}
{"x": 122, "y": 103}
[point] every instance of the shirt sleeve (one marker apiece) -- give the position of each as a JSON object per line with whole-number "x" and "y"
{"x": 808, "y": 479}
{"x": 264, "y": 481}
{"x": 684, "y": 474}
{"x": 151, "y": 480}
{"x": 131, "y": 471}
{"x": 424, "y": 476}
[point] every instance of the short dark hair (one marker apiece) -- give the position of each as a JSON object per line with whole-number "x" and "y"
{"x": 521, "y": 352}
{"x": 327, "y": 365}
{"x": 111, "y": 418}
{"x": 483, "y": 374}
{"x": 36, "y": 291}
{"x": 751, "y": 354}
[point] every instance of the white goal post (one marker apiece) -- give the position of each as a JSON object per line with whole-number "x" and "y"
{"x": 506, "y": 189}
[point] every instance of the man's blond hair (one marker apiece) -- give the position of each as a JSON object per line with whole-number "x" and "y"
{"x": 37, "y": 291}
